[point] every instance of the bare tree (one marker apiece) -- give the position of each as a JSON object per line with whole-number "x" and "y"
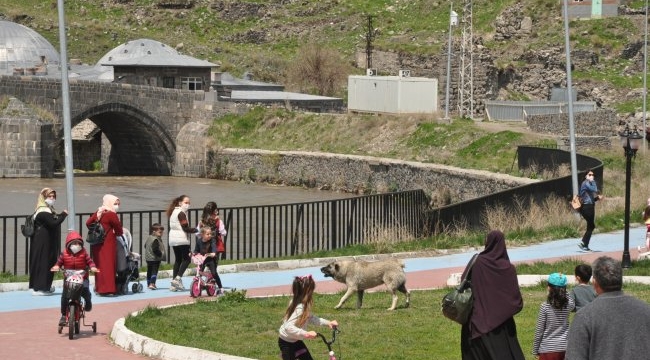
{"x": 318, "y": 69}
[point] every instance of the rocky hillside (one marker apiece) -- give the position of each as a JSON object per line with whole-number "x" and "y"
{"x": 519, "y": 44}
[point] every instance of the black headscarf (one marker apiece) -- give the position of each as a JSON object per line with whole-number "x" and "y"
{"x": 495, "y": 287}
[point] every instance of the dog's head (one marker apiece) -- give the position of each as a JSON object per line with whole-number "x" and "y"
{"x": 330, "y": 270}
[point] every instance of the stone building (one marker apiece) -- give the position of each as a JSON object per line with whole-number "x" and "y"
{"x": 152, "y": 63}
{"x": 24, "y": 52}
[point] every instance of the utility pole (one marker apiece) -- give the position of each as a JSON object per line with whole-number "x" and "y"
{"x": 67, "y": 125}
{"x": 467, "y": 64}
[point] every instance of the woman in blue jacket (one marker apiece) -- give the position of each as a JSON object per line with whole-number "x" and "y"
{"x": 588, "y": 196}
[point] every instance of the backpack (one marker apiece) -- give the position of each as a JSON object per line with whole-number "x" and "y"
{"x": 29, "y": 228}
{"x": 96, "y": 233}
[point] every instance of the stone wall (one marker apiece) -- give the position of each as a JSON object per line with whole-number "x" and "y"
{"x": 592, "y": 128}
{"x": 585, "y": 142}
{"x": 358, "y": 174}
{"x": 192, "y": 145}
{"x": 589, "y": 123}
{"x": 26, "y": 143}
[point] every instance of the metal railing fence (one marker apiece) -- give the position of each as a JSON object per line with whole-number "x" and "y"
{"x": 518, "y": 110}
{"x": 261, "y": 232}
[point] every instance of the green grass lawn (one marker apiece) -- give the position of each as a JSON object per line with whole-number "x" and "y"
{"x": 248, "y": 327}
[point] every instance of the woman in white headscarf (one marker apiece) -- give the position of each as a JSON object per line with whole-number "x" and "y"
{"x": 105, "y": 253}
{"x": 45, "y": 245}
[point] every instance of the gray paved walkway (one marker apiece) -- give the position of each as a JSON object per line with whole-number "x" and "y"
{"x": 29, "y": 328}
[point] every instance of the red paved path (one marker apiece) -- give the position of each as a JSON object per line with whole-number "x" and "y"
{"x": 33, "y": 334}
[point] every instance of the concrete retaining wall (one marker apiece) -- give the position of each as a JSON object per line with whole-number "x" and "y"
{"x": 358, "y": 174}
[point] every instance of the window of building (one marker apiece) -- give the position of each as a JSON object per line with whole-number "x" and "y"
{"x": 191, "y": 83}
{"x": 168, "y": 82}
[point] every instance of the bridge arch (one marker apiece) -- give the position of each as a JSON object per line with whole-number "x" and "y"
{"x": 137, "y": 144}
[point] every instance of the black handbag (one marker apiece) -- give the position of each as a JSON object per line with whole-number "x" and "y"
{"x": 457, "y": 304}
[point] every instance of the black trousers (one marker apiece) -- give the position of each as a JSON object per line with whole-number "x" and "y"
{"x": 85, "y": 294}
{"x": 588, "y": 212}
{"x": 152, "y": 272}
{"x": 181, "y": 260}
{"x": 211, "y": 263}
{"x": 294, "y": 350}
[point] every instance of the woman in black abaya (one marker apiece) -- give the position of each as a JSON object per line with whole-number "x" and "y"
{"x": 45, "y": 245}
{"x": 491, "y": 333}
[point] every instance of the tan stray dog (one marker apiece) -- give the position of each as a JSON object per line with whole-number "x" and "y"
{"x": 363, "y": 275}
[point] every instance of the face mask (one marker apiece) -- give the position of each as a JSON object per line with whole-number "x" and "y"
{"x": 50, "y": 202}
{"x": 185, "y": 207}
{"x": 116, "y": 207}
{"x": 75, "y": 248}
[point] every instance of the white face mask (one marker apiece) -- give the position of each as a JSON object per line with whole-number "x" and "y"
{"x": 116, "y": 207}
{"x": 185, "y": 207}
{"x": 75, "y": 248}
{"x": 50, "y": 202}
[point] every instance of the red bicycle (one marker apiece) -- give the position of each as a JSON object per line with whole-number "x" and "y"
{"x": 74, "y": 314}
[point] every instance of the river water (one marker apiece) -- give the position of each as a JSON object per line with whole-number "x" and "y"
{"x": 138, "y": 193}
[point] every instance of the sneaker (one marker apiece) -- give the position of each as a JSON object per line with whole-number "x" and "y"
{"x": 52, "y": 289}
{"x": 152, "y": 287}
{"x": 62, "y": 321}
{"x": 178, "y": 283}
{"x": 88, "y": 306}
{"x": 583, "y": 247}
{"x": 41, "y": 293}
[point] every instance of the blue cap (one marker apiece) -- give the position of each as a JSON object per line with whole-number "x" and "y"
{"x": 557, "y": 279}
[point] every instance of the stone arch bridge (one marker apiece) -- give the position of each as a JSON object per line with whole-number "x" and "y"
{"x": 147, "y": 130}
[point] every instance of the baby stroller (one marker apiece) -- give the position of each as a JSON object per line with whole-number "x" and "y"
{"x": 128, "y": 265}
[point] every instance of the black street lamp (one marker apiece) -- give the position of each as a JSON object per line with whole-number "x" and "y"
{"x": 631, "y": 142}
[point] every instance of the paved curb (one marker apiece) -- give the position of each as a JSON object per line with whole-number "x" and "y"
{"x": 267, "y": 266}
{"x": 142, "y": 345}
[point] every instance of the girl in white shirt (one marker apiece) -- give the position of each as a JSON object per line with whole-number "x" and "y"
{"x": 298, "y": 314}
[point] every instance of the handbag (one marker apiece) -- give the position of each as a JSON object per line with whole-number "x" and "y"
{"x": 96, "y": 233}
{"x": 457, "y": 304}
{"x": 576, "y": 203}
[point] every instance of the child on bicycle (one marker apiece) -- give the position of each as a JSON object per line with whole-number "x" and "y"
{"x": 75, "y": 257}
{"x": 206, "y": 244}
{"x": 154, "y": 253}
{"x": 295, "y": 320}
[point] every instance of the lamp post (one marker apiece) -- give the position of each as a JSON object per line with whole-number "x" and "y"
{"x": 453, "y": 21}
{"x": 630, "y": 142}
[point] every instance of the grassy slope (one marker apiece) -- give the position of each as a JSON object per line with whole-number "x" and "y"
{"x": 263, "y": 36}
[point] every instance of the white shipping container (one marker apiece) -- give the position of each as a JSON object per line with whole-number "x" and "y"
{"x": 392, "y": 94}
